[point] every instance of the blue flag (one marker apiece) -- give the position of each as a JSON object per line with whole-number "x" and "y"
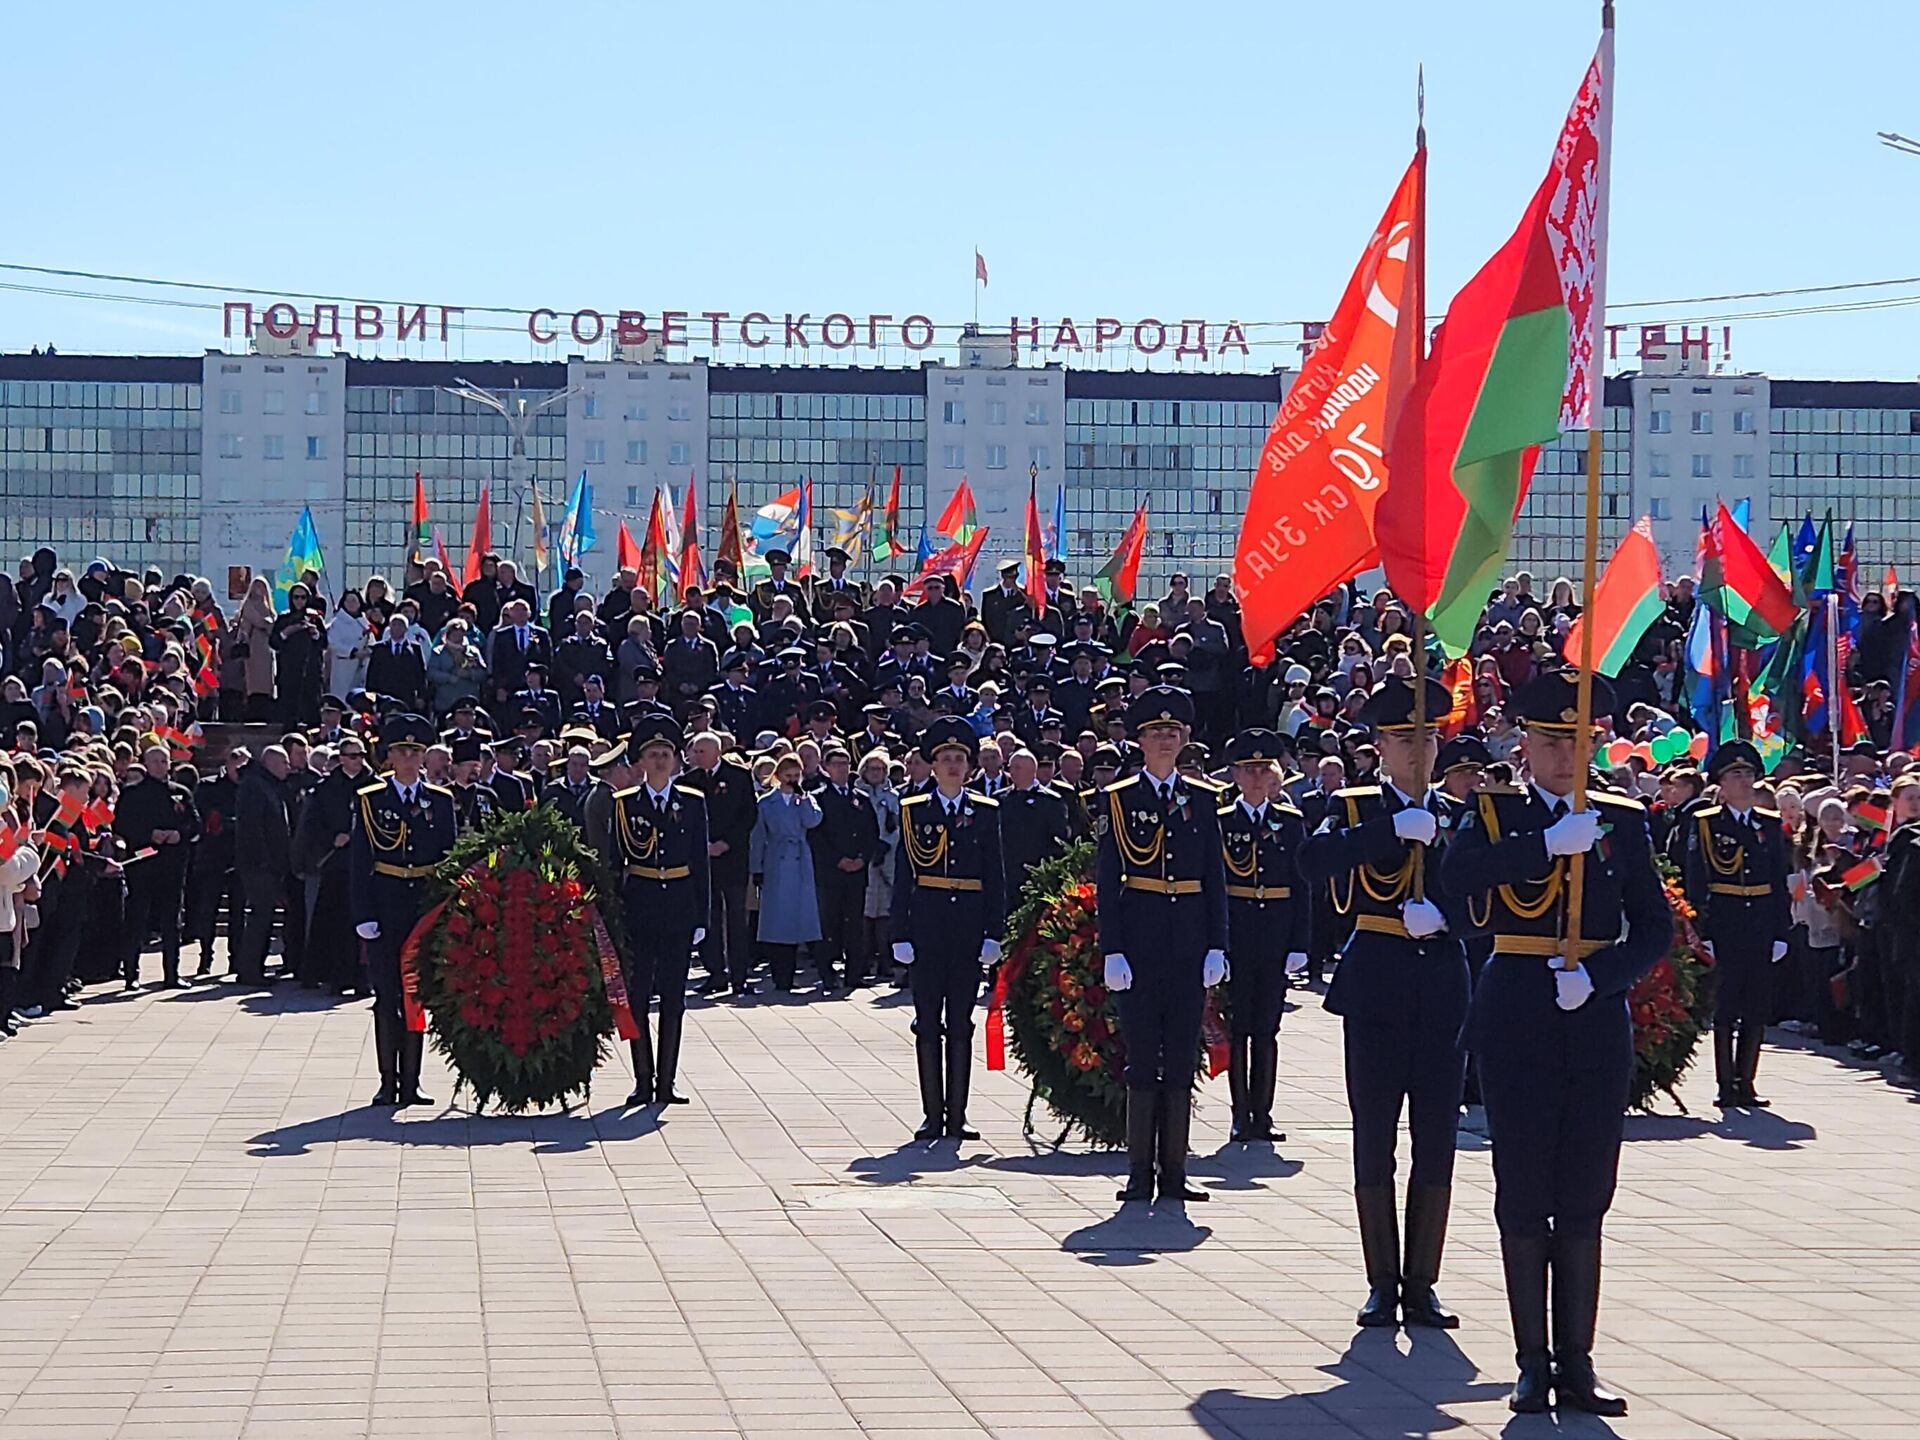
{"x": 926, "y": 548}
{"x": 576, "y": 530}
{"x": 1057, "y": 542}
{"x": 303, "y": 554}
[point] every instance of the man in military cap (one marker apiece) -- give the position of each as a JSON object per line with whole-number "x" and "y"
{"x": 760, "y": 601}
{"x": 999, "y": 605}
{"x": 949, "y": 907}
{"x": 594, "y": 711}
{"x": 1162, "y": 915}
{"x": 843, "y": 844}
{"x": 646, "y": 702}
{"x": 1549, "y": 1026}
{"x": 1401, "y": 993}
{"x": 1032, "y": 718}
{"x": 403, "y": 827}
{"x": 1737, "y": 882}
{"x": 658, "y": 846}
{"x": 513, "y": 791}
{"x": 875, "y": 734}
{"x": 834, "y": 587}
{"x": 735, "y": 702}
{"x": 784, "y": 698}
{"x": 332, "y": 724}
{"x": 537, "y": 700}
{"x": 473, "y": 803}
{"x": 1462, "y": 766}
{"x": 1260, "y": 838}
{"x": 466, "y": 719}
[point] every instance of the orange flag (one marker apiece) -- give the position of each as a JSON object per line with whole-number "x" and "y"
{"x": 1309, "y": 520}
{"x": 728, "y": 552}
{"x": 481, "y": 543}
{"x": 626, "y": 555}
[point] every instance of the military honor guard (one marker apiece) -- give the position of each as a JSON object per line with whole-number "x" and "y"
{"x": 1550, "y": 1029}
{"x": 1737, "y": 882}
{"x": 658, "y": 847}
{"x": 1260, "y": 839}
{"x": 1161, "y": 896}
{"x": 403, "y": 827}
{"x": 1401, "y": 993}
{"x": 949, "y": 907}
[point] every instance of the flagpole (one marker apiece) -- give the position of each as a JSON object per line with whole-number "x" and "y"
{"x": 1835, "y": 680}
{"x": 1419, "y": 677}
{"x": 1589, "y": 579}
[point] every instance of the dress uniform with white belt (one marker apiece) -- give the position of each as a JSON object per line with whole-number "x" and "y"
{"x": 1737, "y": 881}
{"x": 1260, "y": 838}
{"x": 1401, "y": 993}
{"x": 1554, "y": 1044}
{"x": 1162, "y": 899}
{"x": 658, "y": 844}
{"x": 949, "y": 907}
{"x": 402, "y": 828}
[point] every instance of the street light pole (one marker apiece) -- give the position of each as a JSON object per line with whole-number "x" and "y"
{"x": 520, "y": 412}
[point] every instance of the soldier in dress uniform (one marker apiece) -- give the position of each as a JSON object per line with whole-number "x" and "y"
{"x": 1401, "y": 993}
{"x": 1737, "y": 881}
{"x": 1162, "y": 903}
{"x": 735, "y": 702}
{"x": 1260, "y": 838}
{"x": 512, "y": 791}
{"x": 949, "y": 907}
{"x": 1555, "y": 1044}
{"x": 658, "y": 846}
{"x": 403, "y": 827}
{"x": 473, "y": 803}
{"x": 760, "y": 601}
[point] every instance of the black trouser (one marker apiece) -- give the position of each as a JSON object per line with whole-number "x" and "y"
{"x": 333, "y": 950}
{"x": 293, "y": 926}
{"x": 266, "y": 893}
{"x": 842, "y": 895}
{"x": 1160, "y": 1017}
{"x": 208, "y": 890}
{"x": 1403, "y": 1063}
{"x": 51, "y": 951}
{"x": 154, "y": 897}
{"x": 727, "y": 951}
{"x": 782, "y": 960}
{"x": 945, "y": 976}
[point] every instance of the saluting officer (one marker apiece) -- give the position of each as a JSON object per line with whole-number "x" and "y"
{"x": 402, "y": 828}
{"x": 658, "y": 846}
{"x": 1260, "y": 839}
{"x": 1162, "y": 900}
{"x": 949, "y": 907}
{"x": 1554, "y": 1043}
{"x": 1401, "y": 993}
{"x": 1737, "y": 881}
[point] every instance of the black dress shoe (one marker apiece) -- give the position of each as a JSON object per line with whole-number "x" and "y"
{"x": 961, "y": 1131}
{"x": 129, "y": 986}
{"x": 1419, "y": 1306}
{"x": 1529, "y": 1395}
{"x": 414, "y": 1097}
{"x": 638, "y": 1099}
{"x": 1381, "y": 1310}
{"x": 176, "y": 983}
{"x": 930, "y": 1130}
{"x": 1727, "y": 1099}
{"x": 385, "y": 1099}
{"x": 1138, "y": 1187}
{"x": 1240, "y": 1134}
{"x": 1576, "y": 1387}
{"x": 1752, "y": 1101}
{"x": 670, "y": 1097}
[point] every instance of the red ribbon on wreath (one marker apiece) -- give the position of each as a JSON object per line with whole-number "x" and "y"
{"x": 1213, "y": 1030}
{"x": 624, "y": 1023}
{"x": 1011, "y": 969}
{"x": 410, "y": 1007}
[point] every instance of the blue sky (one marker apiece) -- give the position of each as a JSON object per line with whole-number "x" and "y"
{"x": 1130, "y": 159}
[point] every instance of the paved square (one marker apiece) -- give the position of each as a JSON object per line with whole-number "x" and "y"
{"x": 204, "y": 1232}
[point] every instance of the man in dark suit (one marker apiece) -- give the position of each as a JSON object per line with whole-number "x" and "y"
{"x": 884, "y": 617}
{"x": 731, "y": 812}
{"x": 594, "y": 711}
{"x": 580, "y": 652}
{"x": 844, "y": 843}
{"x": 1033, "y": 717}
{"x": 514, "y": 644}
{"x": 941, "y": 616}
{"x": 1034, "y": 823}
{"x": 735, "y": 702}
{"x": 690, "y": 663}
{"x": 394, "y": 668}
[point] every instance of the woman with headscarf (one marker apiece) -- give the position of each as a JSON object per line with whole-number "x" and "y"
{"x": 251, "y": 643}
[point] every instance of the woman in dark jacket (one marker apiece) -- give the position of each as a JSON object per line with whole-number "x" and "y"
{"x": 299, "y": 646}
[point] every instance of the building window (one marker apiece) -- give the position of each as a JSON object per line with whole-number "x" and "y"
{"x": 1659, "y": 509}
{"x": 316, "y": 402}
{"x": 677, "y": 453}
{"x": 273, "y": 447}
{"x": 316, "y": 447}
{"x": 954, "y": 457}
{"x": 1702, "y": 467}
{"x": 633, "y": 497}
{"x": 1659, "y": 422}
{"x": 1658, "y": 466}
{"x": 1703, "y": 422}
{"x": 636, "y": 452}
{"x": 229, "y": 402}
{"x": 596, "y": 452}
{"x": 1039, "y": 458}
{"x": 273, "y": 402}
{"x": 1743, "y": 467}
{"x": 996, "y": 412}
{"x": 591, "y": 406}
{"x": 229, "y": 447}
{"x": 636, "y": 412}
{"x": 1743, "y": 422}
{"x": 996, "y": 457}
{"x": 679, "y": 410}
{"x": 1036, "y": 412}
{"x": 954, "y": 412}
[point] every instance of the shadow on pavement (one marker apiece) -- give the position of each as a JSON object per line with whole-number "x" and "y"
{"x": 913, "y": 1160}
{"x": 548, "y": 1134}
{"x": 1135, "y": 1233}
{"x": 1383, "y": 1392}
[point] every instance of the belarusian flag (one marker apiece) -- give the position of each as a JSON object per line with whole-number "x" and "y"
{"x": 1513, "y": 364}
{"x": 1625, "y": 602}
{"x": 886, "y": 542}
{"x": 691, "y": 571}
{"x": 1735, "y": 563}
{"x": 422, "y": 530}
{"x": 1120, "y": 576}
{"x": 961, "y": 517}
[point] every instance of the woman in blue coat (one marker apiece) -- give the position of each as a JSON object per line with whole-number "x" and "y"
{"x": 782, "y": 865}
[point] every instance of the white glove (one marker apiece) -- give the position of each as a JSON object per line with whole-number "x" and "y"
{"x": 903, "y": 952}
{"x": 1419, "y": 826}
{"x": 1422, "y": 918}
{"x": 1707, "y": 945}
{"x": 368, "y": 929}
{"x": 989, "y": 951}
{"x": 1119, "y": 973}
{"x": 1574, "y": 833}
{"x": 1296, "y": 961}
{"x": 699, "y": 934}
{"x": 1779, "y": 951}
{"x": 1573, "y": 988}
{"x": 1213, "y": 969}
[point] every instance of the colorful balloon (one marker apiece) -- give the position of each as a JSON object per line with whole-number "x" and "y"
{"x": 1697, "y": 747}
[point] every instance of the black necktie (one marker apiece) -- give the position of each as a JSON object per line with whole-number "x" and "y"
{"x": 1557, "y": 810}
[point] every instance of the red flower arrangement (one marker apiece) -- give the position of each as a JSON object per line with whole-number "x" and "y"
{"x": 1670, "y": 1007}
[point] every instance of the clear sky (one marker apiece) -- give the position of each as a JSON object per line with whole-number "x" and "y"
{"x": 1128, "y": 159}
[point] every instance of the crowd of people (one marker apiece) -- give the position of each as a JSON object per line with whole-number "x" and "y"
{"x": 804, "y": 698}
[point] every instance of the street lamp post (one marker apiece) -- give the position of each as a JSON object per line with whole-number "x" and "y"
{"x": 519, "y": 411}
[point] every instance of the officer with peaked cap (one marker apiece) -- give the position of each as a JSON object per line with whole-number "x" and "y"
{"x": 1260, "y": 838}
{"x": 949, "y": 907}
{"x": 1401, "y": 993}
{"x": 1549, "y": 1027}
{"x": 402, "y": 828}
{"x": 1162, "y": 901}
{"x": 1737, "y": 882}
{"x": 834, "y": 587}
{"x": 657, "y": 845}
{"x": 1461, "y": 765}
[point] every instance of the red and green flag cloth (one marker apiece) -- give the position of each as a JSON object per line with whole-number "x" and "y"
{"x": 1119, "y": 578}
{"x": 1624, "y": 603}
{"x": 422, "y": 528}
{"x": 886, "y": 536}
{"x": 961, "y": 518}
{"x": 1862, "y": 873}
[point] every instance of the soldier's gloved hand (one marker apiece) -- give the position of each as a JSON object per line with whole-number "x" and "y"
{"x": 1119, "y": 973}
{"x": 1422, "y": 918}
{"x": 1572, "y": 988}
{"x": 989, "y": 951}
{"x": 1213, "y": 969}
{"x": 1296, "y": 961}
{"x": 368, "y": 929}
{"x": 903, "y": 952}
{"x": 1779, "y": 951}
{"x": 1419, "y": 826}
{"x": 1707, "y": 945}
{"x": 699, "y": 934}
{"x": 1573, "y": 834}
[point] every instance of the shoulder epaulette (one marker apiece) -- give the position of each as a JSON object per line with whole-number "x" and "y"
{"x": 436, "y": 789}
{"x": 1500, "y": 790}
{"x": 1208, "y": 787}
{"x": 1358, "y": 792}
{"x": 1228, "y": 808}
{"x": 1619, "y": 802}
{"x": 373, "y": 789}
{"x": 690, "y": 790}
{"x": 986, "y": 800}
{"x": 1765, "y": 813}
{"x": 1119, "y": 785}
{"x": 623, "y": 794}
{"x": 1286, "y": 807}
{"x": 1706, "y": 812}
